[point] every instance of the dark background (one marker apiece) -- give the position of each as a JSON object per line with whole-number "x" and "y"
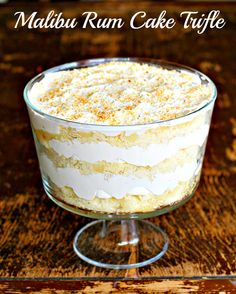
{"x": 36, "y": 235}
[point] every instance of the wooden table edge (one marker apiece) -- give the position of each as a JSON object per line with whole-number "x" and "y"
{"x": 226, "y": 284}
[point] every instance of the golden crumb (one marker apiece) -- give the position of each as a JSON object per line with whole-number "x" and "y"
{"x": 120, "y": 93}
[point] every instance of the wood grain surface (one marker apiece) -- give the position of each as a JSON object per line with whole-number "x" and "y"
{"x": 131, "y": 286}
{"x": 35, "y": 235}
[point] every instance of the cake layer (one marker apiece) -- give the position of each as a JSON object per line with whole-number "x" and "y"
{"x": 47, "y": 130}
{"x": 151, "y": 155}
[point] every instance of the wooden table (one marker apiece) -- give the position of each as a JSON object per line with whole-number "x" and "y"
{"x": 36, "y": 235}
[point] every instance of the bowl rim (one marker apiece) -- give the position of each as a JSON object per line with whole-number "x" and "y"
{"x": 96, "y": 61}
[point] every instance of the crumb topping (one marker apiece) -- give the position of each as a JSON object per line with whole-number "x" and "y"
{"x": 119, "y": 93}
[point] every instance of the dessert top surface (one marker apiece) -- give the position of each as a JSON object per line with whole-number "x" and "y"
{"x": 119, "y": 93}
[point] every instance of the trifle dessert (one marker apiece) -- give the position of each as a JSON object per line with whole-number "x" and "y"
{"x": 120, "y": 136}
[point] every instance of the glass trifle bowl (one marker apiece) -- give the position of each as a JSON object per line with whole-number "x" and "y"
{"x": 120, "y": 173}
